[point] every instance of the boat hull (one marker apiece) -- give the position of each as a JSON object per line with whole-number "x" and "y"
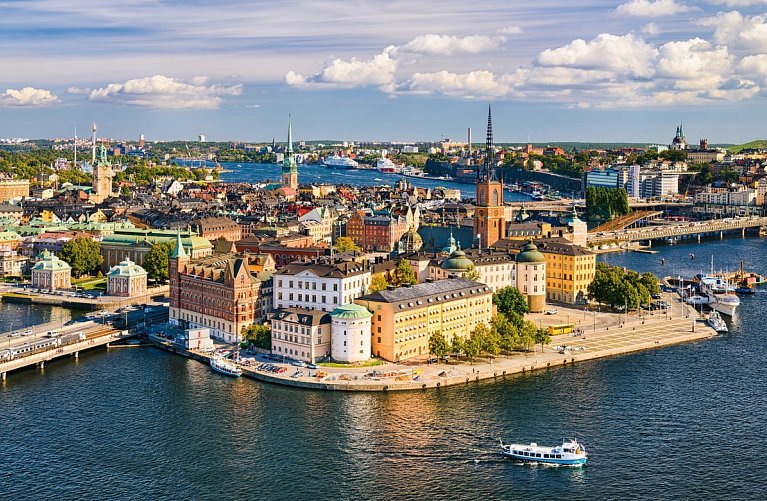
{"x": 724, "y": 308}
{"x": 563, "y": 462}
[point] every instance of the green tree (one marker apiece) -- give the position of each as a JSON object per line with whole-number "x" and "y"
{"x": 509, "y": 301}
{"x": 456, "y": 345}
{"x": 83, "y": 254}
{"x": 471, "y": 273}
{"x": 473, "y": 345}
{"x": 438, "y": 344}
{"x": 377, "y": 283}
{"x": 527, "y": 335}
{"x": 257, "y": 335}
{"x": 156, "y": 261}
{"x": 404, "y": 274}
{"x": 346, "y": 244}
{"x": 506, "y": 332}
{"x": 542, "y": 337}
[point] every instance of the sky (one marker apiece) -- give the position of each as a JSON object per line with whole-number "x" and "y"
{"x": 398, "y": 70}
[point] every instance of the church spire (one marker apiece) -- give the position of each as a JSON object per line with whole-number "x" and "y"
{"x": 489, "y": 148}
{"x": 178, "y": 249}
{"x": 290, "y": 135}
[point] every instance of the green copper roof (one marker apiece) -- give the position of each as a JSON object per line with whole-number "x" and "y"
{"x": 178, "y": 248}
{"x": 127, "y": 268}
{"x": 530, "y": 254}
{"x": 351, "y": 311}
{"x": 50, "y": 262}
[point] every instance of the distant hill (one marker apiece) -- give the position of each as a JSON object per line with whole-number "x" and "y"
{"x": 756, "y": 144}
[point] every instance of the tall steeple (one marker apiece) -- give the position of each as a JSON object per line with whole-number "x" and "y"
{"x": 178, "y": 249}
{"x": 488, "y": 169}
{"x": 489, "y": 216}
{"x": 289, "y": 166}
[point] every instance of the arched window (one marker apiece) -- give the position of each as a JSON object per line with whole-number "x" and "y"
{"x": 495, "y": 197}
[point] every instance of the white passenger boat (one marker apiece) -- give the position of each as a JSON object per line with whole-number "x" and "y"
{"x": 696, "y": 300}
{"x": 339, "y": 162}
{"x": 721, "y": 295}
{"x": 570, "y": 453}
{"x": 716, "y": 322}
{"x": 224, "y": 366}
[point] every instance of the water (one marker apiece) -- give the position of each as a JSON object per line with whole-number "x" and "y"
{"x": 313, "y": 173}
{"x": 682, "y": 422}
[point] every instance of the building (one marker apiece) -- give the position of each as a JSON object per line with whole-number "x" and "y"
{"x": 319, "y": 224}
{"x": 727, "y": 202}
{"x": 51, "y": 273}
{"x": 569, "y": 271}
{"x": 489, "y": 218}
{"x": 102, "y": 177}
{"x": 301, "y": 334}
{"x": 679, "y": 142}
{"x": 213, "y": 228}
{"x": 135, "y": 244}
{"x": 216, "y": 291}
{"x": 11, "y": 263}
{"x": 126, "y": 279}
{"x": 198, "y": 339}
{"x": 531, "y": 277}
{"x": 289, "y": 165}
{"x": 13, "y": 188}
{"x": 377, "y": 233}
{"x": 350, "y": 334}
{"x": 496, "y": 269}
{"x": 603, "y": 178}
{"x": 320, "y": 285}
{"x": 404, "y": 318}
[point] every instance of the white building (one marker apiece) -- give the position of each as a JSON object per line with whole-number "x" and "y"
{"x": 198, "y": 339}
{"x": 126, "y": 279}
{"x": 350, "y": 334}
{"x": 301, "y": 334}
{"x": 320, "y": 286}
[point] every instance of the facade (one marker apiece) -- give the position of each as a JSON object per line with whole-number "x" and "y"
{"x": 13, "y": 188}
{"x": 135, "y": 244}
{"x": 318, "y": 285}
{"x": 127, "y": 279}
{"x": 727, "y": 202}
{"x": 489, "y": 218}
{"x": 350, "y": 341}
{"x": 289, "y": 166}
{"x": 531, "y": 277}
{"x": 318, "y": 223}
{"x": 213, "y": 228}
{"x": 603, "y": 178}
{"x": 569, "y": 271}
{"x": 301, "y": 334}
{"x": 198, "y": 339}
{"x": 376, "y": 233}
{"x": 51, "y": 273}
{"x": 217, "y": 292}
{"x": 403, "y": 319}
{"x": 496, "y": 269}
{"x": 11, "y": 263}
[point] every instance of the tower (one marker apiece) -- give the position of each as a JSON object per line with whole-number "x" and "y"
{"x": 289, "y": 167}
{"x": 489, "y": 219}
{"x": 102, "y": 177}
{"x": 177, "y": 260}
{"x": 93, "y": 158}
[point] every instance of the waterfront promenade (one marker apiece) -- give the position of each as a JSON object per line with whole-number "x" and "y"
{"x": 604, "y": 335}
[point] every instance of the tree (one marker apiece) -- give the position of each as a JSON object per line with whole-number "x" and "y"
{"x": 471, "y": 273}
{"x": 527, "y": 335}
{"x": 83, "y": 254}
{"x": 156, "y": 261}
{"x": 618, "y": 287}
{"x": 542, "y": 337}
{"x": 346, "y": 244}
{"x": 404, "y": 274}
{"x": 506, "y": 332}
{"x": 473, "y": 345}
{"x": 456, "y": 344}
{"x": 509, "y": 300}
{"x": 438, "y": 344}
{"x": 257, "y": 335}
{"x": 491, "y": 343}
{"x": 377, "y": 283}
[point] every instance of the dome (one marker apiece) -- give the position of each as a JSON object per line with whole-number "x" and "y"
{"x": 49, "y": 261}
{"x": 351, "y": 311}
{"x": 411, "y": 241}
{"x": 530, "y": 254}
{"x": 457, "y": 261}
{"x": 126, "y": 268}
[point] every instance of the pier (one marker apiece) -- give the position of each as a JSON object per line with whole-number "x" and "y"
{"x": 714, "y": 227}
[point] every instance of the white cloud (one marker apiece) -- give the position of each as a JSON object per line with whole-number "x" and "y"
{"x": 510, "y": 30}
{"x": 745, "y": 33}
{"x": 624, "y": 54}
{"x": 447, "y": 45}
{"x": 78, "y": 90}
{"x": 694, "y": 64}
{"x": 379, "y": 70}
{"x": 651, "y": 29}
{"x": 28, "y": 96}
{"x": 472, "y": 84}
{"x": 652, "y": 8}
{"x": 164, "y": 92}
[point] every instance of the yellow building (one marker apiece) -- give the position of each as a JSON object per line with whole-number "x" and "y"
{"x": 404, "y": 318}
{"x": 13, "y": 188}
{"x": 569, "y": 271}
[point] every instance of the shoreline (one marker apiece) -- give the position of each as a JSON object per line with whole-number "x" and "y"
{"x": 633, "y": 335}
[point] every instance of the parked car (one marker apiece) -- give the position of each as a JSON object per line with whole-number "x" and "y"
{"x": 311, "y": 366}
{"x": 552, "y": 312}
{"x": 298, "y": 363}
{"x": 281, "y": 370}
{"x": 297, "y": 374}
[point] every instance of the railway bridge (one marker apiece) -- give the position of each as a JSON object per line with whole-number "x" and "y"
{"x": 678, "y": 230}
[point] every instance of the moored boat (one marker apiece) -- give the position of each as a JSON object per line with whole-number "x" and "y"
{"x": 716, "y": 322}
{"x": 224, "y": 366}
{"x": 570, "y": 453}
{"x": 339, "y": 162}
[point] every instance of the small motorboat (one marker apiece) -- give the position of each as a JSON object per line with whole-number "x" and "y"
{"x": 570, "y": 453}
{"x": 716, "y": 322}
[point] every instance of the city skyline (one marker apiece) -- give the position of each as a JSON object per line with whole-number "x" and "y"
{"x": 605, "y": 71}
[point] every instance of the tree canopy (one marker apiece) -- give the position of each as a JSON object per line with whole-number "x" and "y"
{"x": 617, "y": 286}
{"x": 377, "y": 283}
{"x": 257, "y": 335}
{"x": 346, "y": 244}
{"x": 510, "y": 301}
{"x": 404, "y": 274}
{"x": 606, "y": 203}
{"x": 83, "y": 254}
{"x": 156, "y": 261}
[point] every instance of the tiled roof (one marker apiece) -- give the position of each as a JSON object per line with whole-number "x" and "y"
{"x": 428, "y": 293}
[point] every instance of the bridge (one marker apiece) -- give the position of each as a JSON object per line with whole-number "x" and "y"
{"x": 626, "y": 221}
{"x": 566, "y": 205}
{"x": 678, "y": 230}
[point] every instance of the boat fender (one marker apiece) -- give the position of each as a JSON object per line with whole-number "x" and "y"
{"x": 523, "y": 370}
{"x": 548, "y": 364}
{"x": 504, "y": 373}
{"x": 495, "y": 374}
{"x": 477, "y": 378}
{"x": 467, "y": 380}
{"x": 439, "y": 384}
{"x": 573, "y": 360}
{"x": 385, "y": 388}
{"x": 423, "y": 386}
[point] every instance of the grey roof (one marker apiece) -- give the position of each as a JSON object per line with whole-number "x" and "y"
{"x": 302, "y": 316}
{"x": 429, "y": 292}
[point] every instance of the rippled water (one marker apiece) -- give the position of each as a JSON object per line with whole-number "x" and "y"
{"x": 683, "y": 422}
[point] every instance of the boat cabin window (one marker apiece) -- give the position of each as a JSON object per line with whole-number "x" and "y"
{"x": 559, "y": 456}
{"x": 545, "y": 456}
{"x": 538, "y": 455}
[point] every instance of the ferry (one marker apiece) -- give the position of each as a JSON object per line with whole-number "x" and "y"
{"x": 570, "y": 453}
{"x": 224, "y": 366}
{"x": 721, "y": 295}
{"x": 338, "y": 162}
{"x": 387, "y": 166}
{"x": 716, "y": 322}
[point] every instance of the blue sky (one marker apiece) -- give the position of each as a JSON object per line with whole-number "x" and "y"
{"x": 555, "y": 70}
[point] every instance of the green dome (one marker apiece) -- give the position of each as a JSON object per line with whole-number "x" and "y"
{"x": 411, "y": 241}
{"x": 126, "y": 268}
{"x": 50, "y": 262}
{"x": 457, "y": 261}
{"x": 351, "y": 311}
{"x": 530, "y": 254}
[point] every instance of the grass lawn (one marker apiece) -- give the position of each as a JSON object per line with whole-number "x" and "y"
{"x": 14, "y": 294}
{"x": 370, "y": 363}
{"x": 90, "y": 283}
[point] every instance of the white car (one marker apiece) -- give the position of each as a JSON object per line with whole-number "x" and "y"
{"x": 551, "y": 312}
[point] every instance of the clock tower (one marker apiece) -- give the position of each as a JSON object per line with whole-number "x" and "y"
{"x": 289, "y": 167}
{"x": 489, "y": 219}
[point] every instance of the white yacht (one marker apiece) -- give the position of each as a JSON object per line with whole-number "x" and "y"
{"x": 721, "y": 295}
{"x": 339, "y": 162}
{"x": 716, "y": 322}
{"x": 224, "y": 366}
{"x": 570, "y": 453}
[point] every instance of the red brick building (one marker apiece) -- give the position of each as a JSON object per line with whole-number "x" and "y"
{"x": 213, "y": 228}
{"x": 376, "y": 233}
